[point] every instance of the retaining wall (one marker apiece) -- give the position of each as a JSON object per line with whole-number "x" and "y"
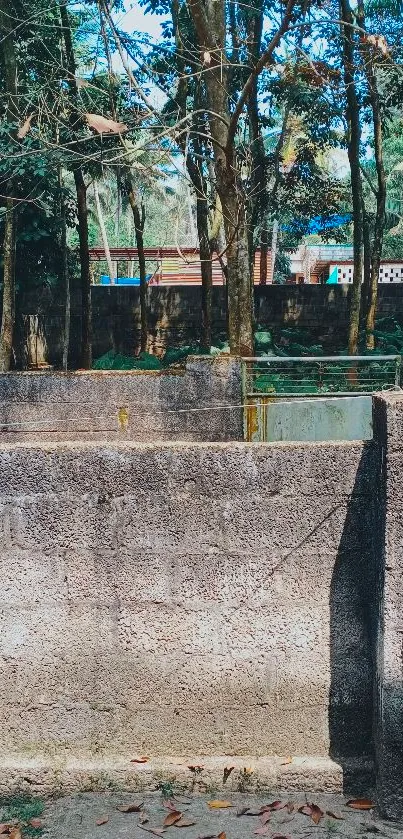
{"x": 198, "y": 401}
{"x": 202, "y": 603}
{"x": 174, "y": 316}
{"x": 186, "y": 602}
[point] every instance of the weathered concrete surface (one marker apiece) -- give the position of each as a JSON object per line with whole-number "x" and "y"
{"x": 192, "y": 403}
{"x": 184, "y": 600}
{"x": 75, "y": 817}
{"x": 388, "y": 727}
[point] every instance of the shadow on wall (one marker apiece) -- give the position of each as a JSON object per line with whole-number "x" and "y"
{"x": 353, "y": 630}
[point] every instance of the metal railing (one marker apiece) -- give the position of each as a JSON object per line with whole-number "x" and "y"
{"x": 342, "y": 375}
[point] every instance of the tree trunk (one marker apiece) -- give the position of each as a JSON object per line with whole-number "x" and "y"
{"x": 104, "y": 235}
{"x": 210, "y": 26}
{"x": 240, "y": 309}
{"x": 81, "y": 190}
{"x": 139, "y": 216}
{"x": 8, "y": 312}
{"x": 264, "y": 250}
{"x": 274, "y": 240}
{"x": 86, "y": 322}
{"x": 206, "y": 273}
{"x": 8, "y": 55}
{"x": 367, "y": 266}
{"x": 254, "y": 21}
{"x": 195, "y": 174}
{"x": 353, "y": 148}
{"x": 380, "y": 217}
{"x": 65, "y": 277}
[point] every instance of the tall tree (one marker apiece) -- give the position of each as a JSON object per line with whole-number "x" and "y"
{"x": 9, "y": 60}
{"x": 348, "y": 37}
{"x": 210, "y": 23}
{"x": 81, "y": 191}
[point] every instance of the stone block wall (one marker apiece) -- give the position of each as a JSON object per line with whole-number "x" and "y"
{"x": 185, "y": 601}
{"x": 197, "y": 600}
{"x": 388, "y": 723}
{"x": 199, "y": 401}
{"x": 175, "y": 320}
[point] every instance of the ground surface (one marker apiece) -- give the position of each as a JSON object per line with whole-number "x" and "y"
{"x": 75, "y": 817}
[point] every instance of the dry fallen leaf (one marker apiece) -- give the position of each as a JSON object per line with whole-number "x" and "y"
{"x": 103, "y": 820}
{"x": 262, "y": 831}
{"x": 334, "y": 815}
{"x": 105, "y": 126}
{"x": 219, "y": 805}
{"x": 286, "y": 761}
{"x": 35, "y": 823}
{"x": 169, "y": 804}
{"x": 24, "y": 128}
{"x": 275, "y": 805}
{"x": 316, "y": 813}
{"x": 306, "y": 809}
{"x": 172, "y": 817}
{"x": 15, "y": 833}
{"x": 129, "y": 808}
{"x": 227, "y": 772}
{"x": 222, "y": 835}
{"x": 280, "y": 836}
{"x": 142, "y": 759}
{"x": 360, "y": 804}
{"x": 290, "y": 807}
{"x": 5, "y": 828}
{"x": 184, "y": 822}
{"x": 265, "y": 817}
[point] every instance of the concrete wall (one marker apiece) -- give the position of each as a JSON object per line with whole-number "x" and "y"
{"x": 203, "y": 603}
{"x": 388, "y": 727}
{"x": 174, "y": 316}
{"x": 185, "y": 601}
{"x": 195, "y": 402}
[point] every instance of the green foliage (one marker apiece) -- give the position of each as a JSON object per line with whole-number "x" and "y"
{"x": 23, "y": 808}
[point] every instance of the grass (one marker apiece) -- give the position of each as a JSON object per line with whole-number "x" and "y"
{"x": 22, "y": 808}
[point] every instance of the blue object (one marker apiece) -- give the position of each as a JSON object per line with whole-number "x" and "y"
{"x": 132, "y": 280}
{"x": 105, "y": 280}
{"x": 318, "y": 223}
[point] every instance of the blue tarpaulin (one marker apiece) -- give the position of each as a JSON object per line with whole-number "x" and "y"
{"x": 318, "y": 223}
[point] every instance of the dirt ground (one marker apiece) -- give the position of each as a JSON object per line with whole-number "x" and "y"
{"x": 76, "y": 816}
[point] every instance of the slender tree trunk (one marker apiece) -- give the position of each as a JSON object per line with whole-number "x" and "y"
{"x": 104, "y": 235}
{"x": 367, "y": 266}
{"x": 254, "y": 25}
{"x": 264, "y": 250}
{"x": 138, "y": 211}
{"x": 8, "y": 312}
{"x": 195, "y": 174}
{"x": 8, "y": 55}
{"x": 86, "y": 321}
{"x": 353, "y": 148}
{"x": 206, "y": 273}
{"x": 65, "y": 277}
{"x": 380, "y": 216}
{"x": 274, "y": 241}
{"x": 82, "y": 209}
